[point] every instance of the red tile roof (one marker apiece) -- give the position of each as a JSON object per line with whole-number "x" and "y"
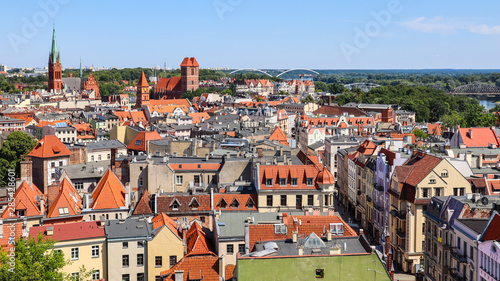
{"x": 189, "y": 62}
{"x": 300, "y": 172}
{"x": 25, "y": 199}
{"x": 493, "y": 231}
{"x": 198, "y": 117}
{"x": 139, "y": 143}
{"x": 67, "y": 198}
{"x": 306, "y": 224}
{"x": 142, "y": 206}
{"x": 479, "y": 137}
{"x": 325, "y": 177}
{"x": 196, "y": 241}
{"x": 138, "y": 116}
{"x": 49, "y": 146}
{"x": 187, "y": 203}
{"x": 168, "y": 84}
{"x": 164, "y": 220}
{"x": 143, "y": 82}
{"x": 279, "y": 135}
{"x": 236, "y": 202}
{"x": 122, "y": 115}
{"x": 71, "y": 231}
{"x": 109, "y": 193}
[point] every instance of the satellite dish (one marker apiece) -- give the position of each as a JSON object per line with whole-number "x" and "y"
{"x": 484, "y": 200}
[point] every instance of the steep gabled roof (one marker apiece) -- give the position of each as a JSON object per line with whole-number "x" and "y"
{"x": 49, "y": 146}
{"x": 493, "y": 230}
{"x": 68, "y": 199}
{"x": 142, "y": 206}
{"x": 26, "y": 199}
{"x": 143, "y": 82}
{"x": 189, "y": 62}
{"x": 196, "y": 241}
{"x": 164, "y": 220}
{"x": 279, "y": 135}
{"x": 109, "y": 193}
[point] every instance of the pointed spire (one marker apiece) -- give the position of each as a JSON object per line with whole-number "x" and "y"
{"x": 81, "y": 72}
{"x": 54, "y": 53}
{"x": 142, "y": 81}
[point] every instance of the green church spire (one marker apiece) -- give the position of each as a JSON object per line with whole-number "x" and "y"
{"x": 54, "y": 53}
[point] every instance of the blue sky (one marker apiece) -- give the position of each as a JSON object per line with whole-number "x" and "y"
{"x": 362, "y": 34}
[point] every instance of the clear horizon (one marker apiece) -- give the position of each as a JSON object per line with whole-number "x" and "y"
{"x": 361, "y": 35}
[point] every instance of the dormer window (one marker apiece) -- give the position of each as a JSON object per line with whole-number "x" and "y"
{"x": 194, "y": 203}
{"x": 294, "y": 181}
{"x": 21, "y": 213}
{"x": 269, "y": 182}
{"x": 250, "y": 203}
{"x": 235, "y": 204}
{"x": 309, "y": 182}
{"x": 444, "y": 173}
{"x": 175, "y": 205}
{"x": 282, "y": 182}
{"x": 222, "y": 204}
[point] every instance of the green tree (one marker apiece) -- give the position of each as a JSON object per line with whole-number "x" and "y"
{"x": 419, "y": 134}
{"x": 35, "y": 259}
{"x": 336, "y": 88}
{"x": 17, "y": 144}
{"x": 308, "y": 99}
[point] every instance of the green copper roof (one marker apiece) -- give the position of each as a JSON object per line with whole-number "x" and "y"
{"x": 54, "y": 54}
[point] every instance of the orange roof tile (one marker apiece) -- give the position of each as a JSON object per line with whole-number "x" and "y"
{"x": 189, "y": 62}
{"x": 199, "y": 117}
{"x": 138, "y": 116}
{"x": 49, "y": 146}
{"x": 122, "y": 115}
{"x": 168, "y": 84}
{"x": 142, "y": 81}
{"x": 140, "y": 141}
{"x": 236, "y": 202}
{"x": 196, "y": 241}
{"x": 142, "y": 206}
{"x": 194, "y": 266}
{"x": 67, "y": 198}
{"x": 479, "y": 137}
{"x": 109, "y": 193}
{"x": 279, "y": 135}
{"x": 25, "y": 199}
{"x": 163, "y": 220}
{"x": 71, "y": 231}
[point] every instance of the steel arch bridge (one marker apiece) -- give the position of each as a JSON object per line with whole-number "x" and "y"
{"x": 251, "y": 69}
{"x": 315, "y": 72}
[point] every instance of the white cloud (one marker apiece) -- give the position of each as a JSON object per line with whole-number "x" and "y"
{"x": 484, "y": 29}
{"x": 434, "y": 25}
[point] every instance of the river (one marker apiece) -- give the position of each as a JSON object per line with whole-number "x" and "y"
{"x": 487, "y": 102}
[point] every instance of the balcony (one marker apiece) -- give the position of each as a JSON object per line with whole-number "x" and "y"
{"x": 378, "y": 207}
{"x": 378, "y": 187}
{"x": 398, "y": 214}
{"x": 401, "y": 233}
{"x": 456, "y": 275}
{"x": 460, "y": 257}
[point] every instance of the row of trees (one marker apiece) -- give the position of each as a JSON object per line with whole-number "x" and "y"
{"x": 428, "y": 104}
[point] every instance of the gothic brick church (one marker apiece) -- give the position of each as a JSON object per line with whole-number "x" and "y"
{"x": 174, "y": 87}
{"x": 88, "y": 87}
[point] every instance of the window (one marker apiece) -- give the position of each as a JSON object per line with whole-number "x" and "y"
{"x": 269, "y": 200}
{"x": 241, "y": 249}
{"x": 425, "y": 192}
{"x": 140, "y": 244}
{"x": 92, "y": 158}
{"x": 140, "y": 259}
{"x": 172, "y": 260}
{"x": 140, "y": 276}
{"x": 280, "y": 228}
{"x": 79, "y": 185}
{"x": 63, "y": 211}
{"x": 458, "y": 242}
{"x": 298, "y": 201}
{"x": 310, "y": 200}
{"x": 269, "y": 182}
{"x": 158, "y": 278}
{"x": 124, "y": 245}
{"x": 95, "y": 251}
{"x": 99, "y": 157}
{"x": 158, "y": 261}
{"x": 60, "y": 163}
{"x": 75, "y": 276}
{"x": 140, "y": 181}
{"x": 235, "y": 204}
{"x": 178, "y": 179}
{"x": 309, "y": 182}
{"x": 229, "y": 249}
{"x": 53, "y": 164}
{"x": 138, "y": 142}
{"x": 53, "y": 175}
{"x": 125, "y": 277}
{"x": 175, "y": 205}
{"x": 432, "y": 181}
{"x": 196, "y": 180}
{"x": 96, "y": 274}
{"x": 222, "y": 204}
{"x": 438, "y": 192}
{"x": 75, "y": 253}
{"x": 109, "y": 156}
{"x": 283, "y": 200}
{"x": 444, "y": 173}
{"x": 125, "y": 261}
{"x": 337, "y": 228}
{"x": 282, "y": 182}
{"x": 294, "y": 182}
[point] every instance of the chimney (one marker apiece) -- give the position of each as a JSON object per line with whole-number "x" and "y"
{"x": 285, "y": 218}
{"x": 222, "y": 267}
{"x": 259, "y": 152}
{"x": 294, "y": 236}
{"x": 228, "y": 155}
{"x": 301, "y": 250}
{"x": 470, "y": 133}
{"x": 331, "y": 211}
{"x": 179, "y": 275}
{"x": 328, "y": 235}
{"x": 361, "y": 231}
{"x": 26, "y": 169}
{"x": 247, "y": 236}
{"x": 336, "y": 250}
{"x": 285, "y": 162}
{"x": 315, "y": 212}
{"x": 306, "y": 212}
{"x": 113, "y": 158}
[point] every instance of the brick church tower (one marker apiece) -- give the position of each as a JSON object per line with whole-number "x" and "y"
{"x": 189, "y": 74}
{"x": 142, "y": 92}
{"x": 55, "y": 69}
